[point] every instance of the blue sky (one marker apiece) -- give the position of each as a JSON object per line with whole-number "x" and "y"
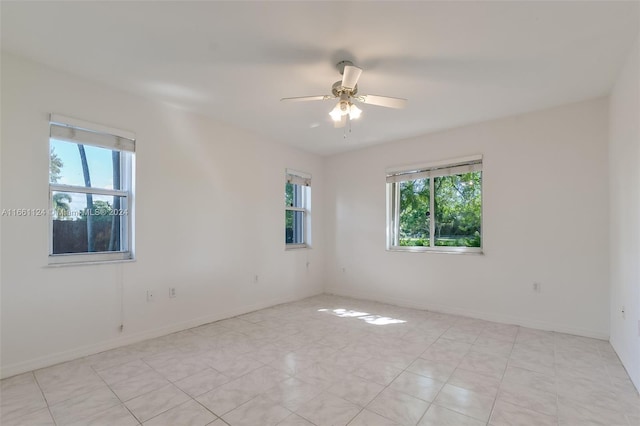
{"x": 99, "y": 159}
{"x": 100, "y": 170}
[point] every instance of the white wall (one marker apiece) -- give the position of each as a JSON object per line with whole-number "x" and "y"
{"x": 545, "y": 220}
{"x": 210, "y": 207}
{"x": 209, "y": 217}
{"x": 624, "y": 205}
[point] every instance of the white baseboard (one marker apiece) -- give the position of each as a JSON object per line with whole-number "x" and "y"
{"x": 488, "y": 316}
{"x": 59, "y": 357}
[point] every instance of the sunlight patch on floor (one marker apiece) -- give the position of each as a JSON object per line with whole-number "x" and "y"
{"x": 365, "y": 316}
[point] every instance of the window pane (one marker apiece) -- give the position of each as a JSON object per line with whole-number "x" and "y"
{"x": 414, "y": 213}
{"x": 66, "y": 165}
{"x": 294, "y": 227}
{"x": 294, "y": 195}
{"x": 288, "y": 194}
{"x": 458, "y": 210}
{"x": 78, "y": 229}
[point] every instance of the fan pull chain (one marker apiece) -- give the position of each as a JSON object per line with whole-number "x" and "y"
{"x": 344, "y": 132}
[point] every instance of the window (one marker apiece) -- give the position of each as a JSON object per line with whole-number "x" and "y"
{"x": 297, "y": 197}
{"x": 436, "y": 207}
{"x": 90, "y": 192}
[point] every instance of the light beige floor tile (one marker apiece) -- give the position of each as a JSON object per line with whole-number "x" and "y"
{"x": 378, "y": 371}
{"x": 211, "y": 330}
{"x": 292, "y": 393}
{"x": 260, "y": 410}
{"x": 112, "y": 358}
{"x": 178, "y": 368}
{"x": 20, "y": 395}
{"x": 234, "y": 367}
{"x": 68, "y": 380}
{"x": 493, "y": 346}
{"x": 295, "y": 420}
{"x": 462, "y": 335}
{"x": 529, "y": 398}
{"x": 633, "y": 419}
{"x": 572, "y": 413}
{"x": 202, "y": 382}
{"x": 446, "y": 350}
{"x": 294, "y": 362}
{"x": 487, "y": 364}
{"x": 321, "y": 374}
{"x": 189, "y": 413}
{"x": 125, "y": 371}
{"x": 267, "y": 354}
{"x": 399, "y": 407}
{"x": 235, "y": 393}
{"x": 84, "y": 406}
{"x": 117, "y": 415}
{"x": 17, "y": 381}
{"x": 466, "y": 402}
{"x": 437, "y": 370}
{"x": 156, "y": 402}
{"x": 506, "y": 414}
{"x": 356, "y": 390}
{"x": 532, "y": 379}
{"x": 416, "y": 385}
{"x": 328, "y": 410}
{"x": 533, "y": 360}
{"x": 139, "y": 385}
{"x": 346, "y": 362}
{"x": 440, "y": 416}
{"x": 502, "y": 332}
{"x": 599, "y": 394}
{"x": 326, "y": 357}
{"x": 226, "y": 397}
{"x": 41, "y": 417}
{"x": 369, "y": 418}
{"x": 475, "y": 382}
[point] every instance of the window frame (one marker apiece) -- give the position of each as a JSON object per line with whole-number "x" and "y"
{"x": 421, "y": 171}
{"x": 124, "y": 143}
{"x": 303, "y": 182}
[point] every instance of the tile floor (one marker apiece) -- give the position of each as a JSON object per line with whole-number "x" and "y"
{"x": 331, "y": 360}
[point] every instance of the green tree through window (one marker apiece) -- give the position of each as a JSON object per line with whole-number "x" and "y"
{"x": 442, "y": 210}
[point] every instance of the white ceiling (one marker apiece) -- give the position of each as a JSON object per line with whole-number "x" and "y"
{"x": 456, "y": 62}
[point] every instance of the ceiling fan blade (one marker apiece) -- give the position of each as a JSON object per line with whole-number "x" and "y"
{"x": 341, "y": 123}
{"x": 383, "y": 101}
{"x": 308, "y": 98}
{"x": 350, "y": 76}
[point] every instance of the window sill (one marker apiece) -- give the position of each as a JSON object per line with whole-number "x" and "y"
{"x": 296, "y": 247}
{"x": 57, "y": 261}
{"x": 441, "y": 250}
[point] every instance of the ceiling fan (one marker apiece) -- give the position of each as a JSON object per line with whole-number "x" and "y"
{"x": 346, "y": 91}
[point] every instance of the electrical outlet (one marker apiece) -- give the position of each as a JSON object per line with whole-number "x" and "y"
{"x": 149, "y": 296}
{"x": 622, "y": 312}
{"x": 255, "y": 278}
{"x": 344, "y": 270}
{"x": 172, "y": 292}
{"x": 537, "y": 287}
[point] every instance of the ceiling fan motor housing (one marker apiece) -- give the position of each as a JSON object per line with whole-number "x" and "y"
{"x": 337, "y": 89}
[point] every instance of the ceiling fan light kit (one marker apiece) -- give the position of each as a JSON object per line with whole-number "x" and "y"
{"x": 345, "y": 107}
{"x": 345, "y": 91}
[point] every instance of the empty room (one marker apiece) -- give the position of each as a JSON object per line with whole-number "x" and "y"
{"x": 320, "y": 213}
